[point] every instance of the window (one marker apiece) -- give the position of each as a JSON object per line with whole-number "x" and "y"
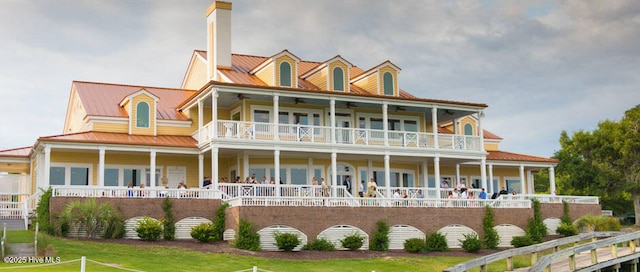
{"x": 338, "y": 79}
{"x": 299, "y": 176}
{"x": 468, "y": 129}
{"x": 285, "y": 74}
{"x": 111, "y": 177}
{"x": 261, "y": 116}
{"x": 132, "y": 176}
{"x": 79, "y": 176}
{"x": 387, "y": 80}
{"x": 56, "y": 176}
{"x": 142, "y": 115}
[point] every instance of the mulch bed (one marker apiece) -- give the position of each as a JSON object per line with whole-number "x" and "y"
{"x": 224, "y": 247}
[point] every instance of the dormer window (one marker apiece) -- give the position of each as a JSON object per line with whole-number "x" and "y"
{"x": 142, "y": 115}
{"x": 285, "y": 74}
{"x": 387, "y": 80}
{"x": 338, "y": 79}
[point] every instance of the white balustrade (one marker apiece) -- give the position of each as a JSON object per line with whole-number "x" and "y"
{"x": 110, "y": 192}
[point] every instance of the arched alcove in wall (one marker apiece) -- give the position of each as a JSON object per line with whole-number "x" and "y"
{"x": 400, "y": 233}
{"x": 336, "y": 233}
{"x": 455, "y": 233}
{"x": 268, "y": 240}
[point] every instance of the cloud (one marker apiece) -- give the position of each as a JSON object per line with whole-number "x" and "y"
{"x": 542, "y": 66}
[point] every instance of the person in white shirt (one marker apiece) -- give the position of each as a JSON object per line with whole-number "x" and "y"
{"x": 396, "y": 194}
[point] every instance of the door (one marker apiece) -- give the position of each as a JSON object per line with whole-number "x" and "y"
{"x": 343, "y": 129}
{"x": 175, "y": 174}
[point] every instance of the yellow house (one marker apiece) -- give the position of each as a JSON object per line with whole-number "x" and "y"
{"x": 280, "y": 117}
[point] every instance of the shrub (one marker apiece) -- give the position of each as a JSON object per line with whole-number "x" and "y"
{"x": 204, "y": 232}
{"x": 597, "y": 223}
{"x": 246, "y": 237}
{"x": 92, "y": 217}
{"x": 491, "y": 239}
{"x": 286, "y": 241}
{"x": 149, "y": 229}
{"x": 42, "y": 212}
{"x": 471, "y": 243}
{"x": 169, "y": 231}
{"x": 521, "y": 241}
{"x": 566, "y": 229}
{"x": 380, "y": 240}
{"x": 320, "y": 245}
{"x": 415, "y": 245}
{"x": 536, "y": 228}
{"x": 218, "y": 223}
{"x": 565, "y": 212}
{"x": 437, "y": 242}
{"x": 353, "y": 241}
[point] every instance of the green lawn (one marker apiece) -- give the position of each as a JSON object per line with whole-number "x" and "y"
{"x": 152, "y": 258}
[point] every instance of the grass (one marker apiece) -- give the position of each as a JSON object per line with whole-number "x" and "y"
{"x": 156, "y": 258}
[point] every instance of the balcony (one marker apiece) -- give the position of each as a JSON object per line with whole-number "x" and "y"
{"x": 282, "y": 133}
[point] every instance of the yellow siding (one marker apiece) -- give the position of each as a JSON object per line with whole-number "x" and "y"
{"x": 266, "y": 75}
{"x": 344, "y": 74}
{"x": 152, "y": 115}
{"x": 79, "y": 157}
{"x": 490, "y": 147}
{"x": 75, "y": 120}
{"x": 197, "y": 76}
{"x": 170, "y": 130}
{"x": 394, "y": 73}
{"x": 34, "y": 167}
{"x": 106, "y": 127}
{"x": 319, "y": 79}
{"x": 369, "y": 83}
{"x": 294, "y": 69}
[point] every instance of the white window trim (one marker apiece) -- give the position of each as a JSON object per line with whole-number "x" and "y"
{"x": 398, "y": 170}
{"x": 67, "y": 171}
{"x": 148, "y": 115}
{"x": 141, "y": 168}
{"x": 402, "y": 118}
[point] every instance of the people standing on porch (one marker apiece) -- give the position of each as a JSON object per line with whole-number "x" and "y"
{"x": 264, "y": 180}
{"x": 503, "y": 191}
{"x": 461, "y": 185}
{"x": 130, "y": 192}
{"x": 483, "y": 194}
{"x": 456, "y": 194}
{"x": 325, "y": 187}
{"x": 464, "y": 194}
{"x": 206, "y": 182}
{"x": 372, "y": 186}
{"x": 420, "y": 194}
{"x": 396, "y": 194}
{"x": 253, "y": 178}
{"x": 142, "y": 190}
{"x": 444, "y": 184}
{"x": 182, "y": 185}
{"x": 361, "y": 189}
{"x": 347, "y": 183}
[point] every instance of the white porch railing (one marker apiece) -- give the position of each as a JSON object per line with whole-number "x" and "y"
{"x": 95, "y": 191}
{"x": 258, "y": 201}
{"x": 232, "y": 190}
{"x": 555, "y": 199}
{"x": 243, "y": 130}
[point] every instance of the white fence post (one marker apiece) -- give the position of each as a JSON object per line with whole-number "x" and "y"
{"x": 83, "y": 263}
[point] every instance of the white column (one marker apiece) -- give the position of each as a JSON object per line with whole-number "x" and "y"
{"x": 276, "y": 117}
{"x": 201, "y": 169}
{"x": 530, "y": 188}
{"x": 425, "y": 174}
{"x": 101, "y": 153}
{"x": 309, "y": 170}
{"x": 456, "y": 131}
{"x": 436, "y": 173}
{"x": 245, "y": 165}
{"x": 434, "y": 127}
{"x": 47, "y": 166}
{"x": 385, "y": 122}
{"x": 332, "y": 109}
{"x": 214, "y": 115}
{"x": 276, "y": 169}
{"x": 480, "y": 129}
{"x": 483, "y": 173}
{"x": 369, "y": 170}
{"x": 334, "y": 172}
{"x": 200, "y": 120}
{"x": 214, "y": 166}
{"x": 493, "y": 190}
{"x": 387, "y": 175}
{"x": 152, "y": 168}
{"x": 522, "y": 181}
{"x": 552, "y": 180}
{"x": 457, "y": 175}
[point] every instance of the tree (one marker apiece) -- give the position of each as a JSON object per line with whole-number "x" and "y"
{"x": 605, "y": 162}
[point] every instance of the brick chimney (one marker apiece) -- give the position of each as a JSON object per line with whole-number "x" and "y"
{"x": 218, "y": 37}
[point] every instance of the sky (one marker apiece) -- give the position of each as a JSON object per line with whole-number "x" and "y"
{"x": 541, "y": 66}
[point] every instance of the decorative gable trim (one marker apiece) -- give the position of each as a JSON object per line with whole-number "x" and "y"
{"x": 272, "y": 59}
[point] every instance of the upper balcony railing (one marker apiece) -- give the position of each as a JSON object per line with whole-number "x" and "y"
{"x": 241, "y": 130}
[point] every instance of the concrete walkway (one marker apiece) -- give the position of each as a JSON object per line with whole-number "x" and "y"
{"x": 21, "y": 250}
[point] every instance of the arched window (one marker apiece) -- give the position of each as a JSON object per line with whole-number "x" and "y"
{"x": 468, "y": 129}
{"x": 338, "y": 79}
{"x": 142, "y": 115}
{"x": 387, "y": 80}
{"x": 285, "y": 74}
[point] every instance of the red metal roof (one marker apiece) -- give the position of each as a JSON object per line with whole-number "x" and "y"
{"x": 102, "y": 99}
{"x": 16, "y": 152}
{"x": 123, "y": 138}
{"x": 508, "y": 156}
